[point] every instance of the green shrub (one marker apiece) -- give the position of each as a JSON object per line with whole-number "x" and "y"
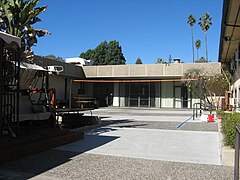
{"x": 219, "y": 112}
{"x": 229, "y": 123}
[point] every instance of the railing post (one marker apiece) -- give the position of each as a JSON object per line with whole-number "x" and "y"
{"x": 200, "y": 109}
{"x": 193, "y": 111}
{"x": 236, "y": 162}
{"x": 196, "y": 110}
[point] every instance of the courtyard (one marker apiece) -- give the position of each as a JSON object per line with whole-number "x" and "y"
{"x": 132, "y": 143}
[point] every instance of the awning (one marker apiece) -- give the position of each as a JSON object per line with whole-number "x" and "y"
{"x": 8, "y": 38}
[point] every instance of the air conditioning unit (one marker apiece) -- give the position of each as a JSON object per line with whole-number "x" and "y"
{"x": 54, "y": 69}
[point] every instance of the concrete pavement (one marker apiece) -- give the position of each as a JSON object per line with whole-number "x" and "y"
{"x": 132, "y": 144}
{"x": 154, "y": 144}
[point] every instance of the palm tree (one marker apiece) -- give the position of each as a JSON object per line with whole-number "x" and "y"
{"x": 205, "y": 23}
{"x": 191, "y": 21}
{"x": 160, "y": 61}
{"x": 198, "y": 45}
{"x": 18, "y": 17}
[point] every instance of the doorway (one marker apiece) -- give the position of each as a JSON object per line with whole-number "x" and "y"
{"x": 141, "y": 95}
{"x": 180, "y": 96}
{"x": 103, "y": 92}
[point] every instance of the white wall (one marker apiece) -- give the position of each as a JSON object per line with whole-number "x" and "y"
{"x": 157, "y": 95}
{"x": 116, "y": 94}
{"x": 167, "y": 94}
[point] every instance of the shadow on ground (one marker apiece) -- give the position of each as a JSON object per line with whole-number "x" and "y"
{"x": 33, "y": 165}
{"x": 129, "y": 123}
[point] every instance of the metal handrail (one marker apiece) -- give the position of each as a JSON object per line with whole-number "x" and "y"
{"x": 195, "y": 109}
{"x": 237, "y": 148}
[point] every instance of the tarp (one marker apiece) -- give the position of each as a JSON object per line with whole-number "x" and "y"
{"x": 24, "y": 65}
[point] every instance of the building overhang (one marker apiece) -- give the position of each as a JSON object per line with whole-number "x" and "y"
{"x": 148, "y": 71}
{"x": 130, "y": 80}
{"x": 230, "y": 30}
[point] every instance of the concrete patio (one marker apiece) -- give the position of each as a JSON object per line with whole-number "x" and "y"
{"x": 132, "y": 144}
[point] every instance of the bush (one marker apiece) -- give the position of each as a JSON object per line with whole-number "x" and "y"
{"x": 229, "y": 123}
{"x": 219, "y": 112}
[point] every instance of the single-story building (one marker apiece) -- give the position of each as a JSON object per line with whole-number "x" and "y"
{"x": 137, "y": 85}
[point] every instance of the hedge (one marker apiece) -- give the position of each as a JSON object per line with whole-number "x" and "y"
{"x": 229, "y": 123}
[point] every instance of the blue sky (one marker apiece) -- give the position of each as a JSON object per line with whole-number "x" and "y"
{"x": 148, "y": 29}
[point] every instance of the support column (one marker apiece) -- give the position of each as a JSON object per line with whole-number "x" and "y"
{"x": 116, "y": 94}
{"x": 122, "y": 94}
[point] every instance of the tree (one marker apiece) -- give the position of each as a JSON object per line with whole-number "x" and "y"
{"x": 205, "y": 23}
{"x": 191, "y": 21}
{"x": 53, "y": 57}
{"x": 100, "y": 54}
{"x": 138, "y": 61}
{"x": 105, "y": 54}
{"x": 201, "y": 60}
{"x": 206, "y": 86}
{"x": 115, "y": 55}
{"x": 88, "y": 55}
{"x": 160, "y": 61}
{"x": 198, "y": 46}
{"x": 17, "y": 17}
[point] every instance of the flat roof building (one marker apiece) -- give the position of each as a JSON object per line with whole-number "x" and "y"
{"x": 141, "y": 85}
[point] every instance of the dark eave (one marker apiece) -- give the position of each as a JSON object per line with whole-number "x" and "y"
{"x": 230, "y": 30}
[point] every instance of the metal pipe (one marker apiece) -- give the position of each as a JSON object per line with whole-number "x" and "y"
{"x": 236, "y": 162}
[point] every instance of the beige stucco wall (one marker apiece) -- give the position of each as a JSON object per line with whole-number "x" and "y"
{"x": 148, "y": 70}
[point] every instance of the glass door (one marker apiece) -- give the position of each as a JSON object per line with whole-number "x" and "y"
{"x": 184, "y": 96}
{"x": 178, "y": 97}
{"x": 134, "y": 94}
{"x": 144, "y": 94}
{"x": 140, "y": 95}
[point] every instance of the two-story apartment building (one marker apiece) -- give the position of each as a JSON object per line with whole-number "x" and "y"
{"x": 229, "y": 50}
